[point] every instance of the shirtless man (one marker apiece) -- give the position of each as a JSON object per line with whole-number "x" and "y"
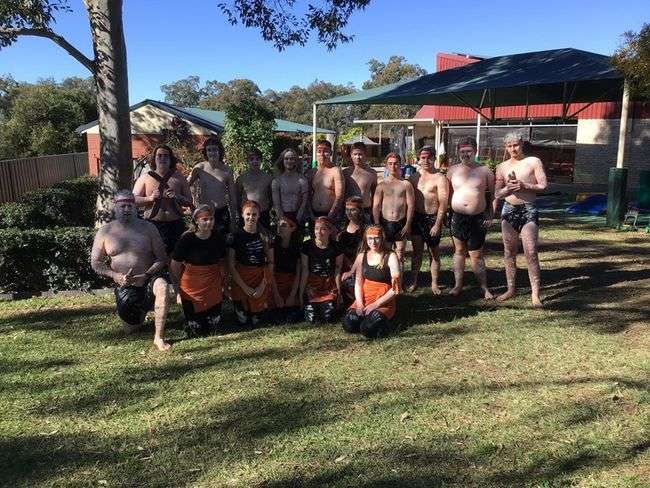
{"x": 394, "y": 204}
{"x": 472, "y": 189}
{"x": 216, "y": 186}
{"x": 255, "y": 185}
{"x": 327, "y": 186}
{"x": 518, "y": 180}
{"x": 136, "y": 255}
{"x": 290, "y": 189}
{"x": 162, "y": 192}
{"x": 360, "y": 179}
{"x": 431, "y": 201}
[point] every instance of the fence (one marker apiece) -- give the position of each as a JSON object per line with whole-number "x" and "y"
{"x": 18, "y": 176}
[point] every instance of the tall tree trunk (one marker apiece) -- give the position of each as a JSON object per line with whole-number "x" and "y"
{"x": 116, "y": 168}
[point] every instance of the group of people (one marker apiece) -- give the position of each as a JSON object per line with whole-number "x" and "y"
{"x": 316, "y": 246}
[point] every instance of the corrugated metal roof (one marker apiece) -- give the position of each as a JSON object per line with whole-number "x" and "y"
{"x": 212, "y": 119}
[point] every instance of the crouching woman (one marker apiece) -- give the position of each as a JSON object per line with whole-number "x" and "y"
{"x": 197, "y": 266}
{"x": 376, "y": 285}
{"x": 250, "y": 261}
{"x": 320, "y": 285}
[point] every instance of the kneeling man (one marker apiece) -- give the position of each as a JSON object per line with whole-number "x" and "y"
{"x": 136, "y": 256}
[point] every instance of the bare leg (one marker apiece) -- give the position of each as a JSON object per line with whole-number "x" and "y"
{"x": 478, "y": 266}
{"x": 529, "y": 235}
{"x": 434, "y": 255}
{"x": 510, "y": 246}
{"x": 161, "y": 306}
{"x": 416, "y": 262}
{"x": 460, "y": 249}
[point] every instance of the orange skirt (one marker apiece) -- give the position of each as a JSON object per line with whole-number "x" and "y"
{"x": 252, "y": 276}
{"x": 320, "y": 289}
{"x": 373, "y": 291}
{"x": 202, "y": 285}
{"x": 284, "y": 282}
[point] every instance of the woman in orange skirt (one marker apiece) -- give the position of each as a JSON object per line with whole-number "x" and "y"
{"x": 286, "y": 272}
{"x": 250, "y": 261}
{"x": 197, "y": 267}
{"x": 320, "y": 281}
{"x": 377, "y": 282}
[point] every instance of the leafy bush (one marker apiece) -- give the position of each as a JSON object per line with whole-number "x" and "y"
{"x": 68, "y": 203}
{"x": 248, "y": 124}
{"x": 47, "y": 259}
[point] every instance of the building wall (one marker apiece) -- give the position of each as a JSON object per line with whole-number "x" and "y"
{"x": 597, "y": 146}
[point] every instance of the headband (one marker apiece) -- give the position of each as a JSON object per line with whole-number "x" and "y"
{"x": 199, "y": 213}
{"x": 352, "y": 204}
{"x": 428, "y": 151}
{"x": 373, "y": 232}
{"x": 466, "y": 146}
{"x": 249, "y": 203}
{"x": 130, "y": 199}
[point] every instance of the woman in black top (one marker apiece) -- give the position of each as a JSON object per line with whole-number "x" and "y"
{"x": 377, "y": 282}
{"x": 320, "y": 284}
{"x": 251, "y": 264}
{"x": 197, "y": 268}
{"x": 286, "y": 272}
{"x": 349, "y": 241}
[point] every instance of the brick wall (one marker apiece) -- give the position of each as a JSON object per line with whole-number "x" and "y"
{"x": 597, "y": 145}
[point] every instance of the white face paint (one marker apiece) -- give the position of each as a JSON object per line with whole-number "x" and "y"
{"x": 125, "y": 211}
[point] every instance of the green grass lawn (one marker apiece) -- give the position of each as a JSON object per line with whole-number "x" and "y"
{"x": 467, "y": 394}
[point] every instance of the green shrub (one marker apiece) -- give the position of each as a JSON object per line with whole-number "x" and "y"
{"x": 47, "y": 259}
{"x": 67, "y": 204}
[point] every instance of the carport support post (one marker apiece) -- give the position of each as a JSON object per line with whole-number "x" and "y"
{"x": 313, "y": 135}
{"x": 618, "y": 176}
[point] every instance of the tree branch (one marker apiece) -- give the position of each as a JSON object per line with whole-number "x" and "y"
{"x": 60, "y": 40}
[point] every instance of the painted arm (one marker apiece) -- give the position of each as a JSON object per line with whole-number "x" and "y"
{"x": 233, "y": 201}
{"x": 304, "y": 275}
{"x": 339, "y": 194}
{"x": 540, "y": 176}
{"x": 304, "y": 197}
{"x": 275, "y": 195}
{"x": 140, "y": 194}
{"x": 176, "y": 269}
{"x": 185, "y": 198}
{"x": 235, "y": 275}
{"x": 442, "y": 187}
{"x": 489, "y": 194}
{"x": 338, "y": 265}
{"x": 376, "y": 203}
{"x": 500, "y": 188}
{"x": 98, "y": 260}
{"x": 410, "y": 207}
{"x": 358, "y": 287}
{"x": 194, "y": 175}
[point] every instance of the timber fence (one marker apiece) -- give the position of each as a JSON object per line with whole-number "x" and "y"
{"x": 18, "y": 176}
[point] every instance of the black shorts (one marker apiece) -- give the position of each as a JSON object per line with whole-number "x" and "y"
{"x": 392, "y": 229}
{"x": 265, "y": 219}
{"x": 470, "y": 229}
{"x": 520, "y": 215}
{"x": 422, "y": 225}
{"x": 133, "y": 302}
{"x": 222, "y": 220}
{"x": 170, "y": 231}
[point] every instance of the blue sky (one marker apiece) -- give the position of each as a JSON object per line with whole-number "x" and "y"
{"x": 181, "y": 38}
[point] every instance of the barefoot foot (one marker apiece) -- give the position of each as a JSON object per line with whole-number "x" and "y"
{"x": 435, "y": 290}
{"x": 505, "y": 296}
{"x": 411, "y": 288}
{"x": 487, "y": 294}
{"x": 537, "y": 303}
{"x": 161, "y": 344}
{"x": 455, "y": 291}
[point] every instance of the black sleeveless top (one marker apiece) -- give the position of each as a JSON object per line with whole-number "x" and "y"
{"x": 287, "y": 258}
{"x": 349, "y": 243}
{"x": 373, "y": 273}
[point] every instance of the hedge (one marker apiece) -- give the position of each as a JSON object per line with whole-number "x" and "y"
{"x": 68, "y": 203}
{"x": 47, "y": 259}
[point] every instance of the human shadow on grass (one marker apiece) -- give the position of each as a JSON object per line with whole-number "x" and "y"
{"x": 52, "y": 318}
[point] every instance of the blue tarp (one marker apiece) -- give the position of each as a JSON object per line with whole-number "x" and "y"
{"x": 592, "y": 205}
